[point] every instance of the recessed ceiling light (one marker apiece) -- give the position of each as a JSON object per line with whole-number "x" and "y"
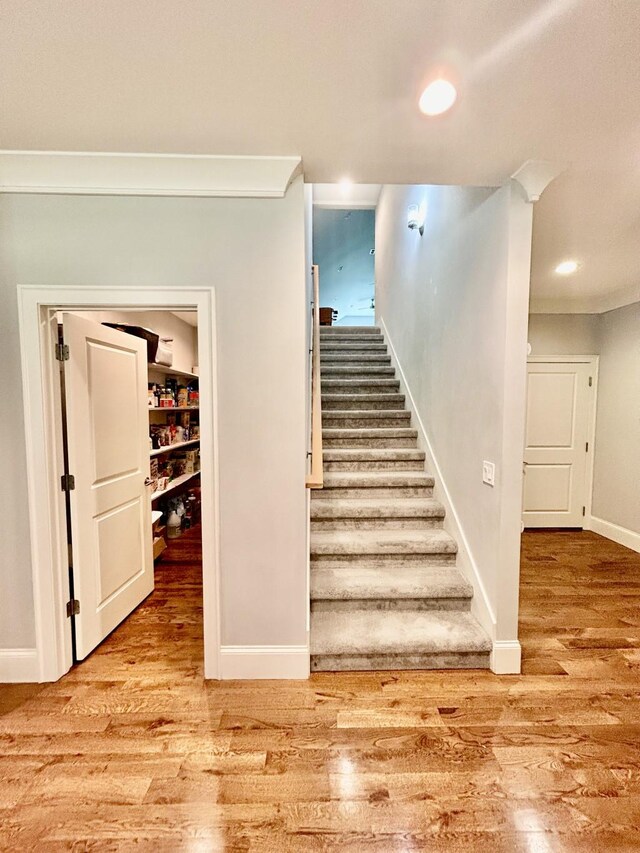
{"x": 438, "y": 97}
{"x": 567, "y": 267}
{"x": 345, "y": 185}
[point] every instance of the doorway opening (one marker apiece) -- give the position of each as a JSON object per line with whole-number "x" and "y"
{"x": 133, "y": 491}
{"x": 121, "y": 463}
{"x": 344, "y": 250}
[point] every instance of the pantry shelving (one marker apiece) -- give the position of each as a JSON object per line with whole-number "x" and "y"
{"x": 177, "y": 446}
{"x": 173, "y": 408}
{"x": 171, "y": 371}
{"x": 174, "y": 485}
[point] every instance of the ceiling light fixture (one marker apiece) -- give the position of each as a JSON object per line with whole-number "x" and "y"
{"x": 439, "y": 96}
{"x": 567, "y": 267}
{"x": 345, "y": 185}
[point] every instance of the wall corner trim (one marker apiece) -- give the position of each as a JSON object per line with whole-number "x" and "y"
{"x": 19, "y": 666}
{"x": 111, "y": 173}
{"x": 254, "y": 662}
{"x": 506, "y": 657}
{"x": 480, "y": 605}
{"x": 621, "y": 535}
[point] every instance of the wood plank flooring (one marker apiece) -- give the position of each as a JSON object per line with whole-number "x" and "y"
{"x": 132, "y": 750}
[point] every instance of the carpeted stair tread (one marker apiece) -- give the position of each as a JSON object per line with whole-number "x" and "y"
{"x": 377, "y": 508}
{"x": 375, "y": 480}
{"x": 362, "y": 582}
{"x": 381, "y": 542}
{"x": 373, "y": 632}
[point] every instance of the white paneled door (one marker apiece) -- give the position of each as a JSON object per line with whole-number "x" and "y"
{"x": 558, "y": 411}
{"x": 108, "y": 447}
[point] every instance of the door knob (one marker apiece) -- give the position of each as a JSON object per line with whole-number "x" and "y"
{"x": 148, "y": 481}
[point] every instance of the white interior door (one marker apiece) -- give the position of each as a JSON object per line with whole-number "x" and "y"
{"x": 556, "y": 444}
{"x": 108, "y": 448}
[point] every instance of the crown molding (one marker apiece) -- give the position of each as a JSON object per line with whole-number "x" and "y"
{"x": 95, "y": 173}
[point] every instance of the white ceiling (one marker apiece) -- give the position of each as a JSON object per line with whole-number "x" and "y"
{"x": 357, "y": 196}
{"x": 337, "y": 82}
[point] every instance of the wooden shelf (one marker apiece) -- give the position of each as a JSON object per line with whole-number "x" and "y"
{"x": 171, "y": 371}
{"x": 173, "y": 408}
{"x": 174, "y": 485}
{"x": 171, "y": 447}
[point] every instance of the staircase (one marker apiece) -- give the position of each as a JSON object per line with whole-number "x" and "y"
{"x": 385, "y": 590}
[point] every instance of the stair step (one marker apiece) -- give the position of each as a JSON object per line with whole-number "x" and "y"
{"x": 365, "y": 587}
{"x": 368, "y": 640}
{"x": 337, "y": 347}
{"x": 349, "y": 338}
{"x": 365, "y": 420}
{"x": 354, "y": 359}
{"x": 370, "y": 437}
{"x": 338, "y": 331}
{"x": 391, "y": 400}
{"x": 373, "y": 459}
{"x": 376, "y": 514}
{"x": 371, "y": 385}
{"x": 356, "y": 369}
{"x": 372, "y": 544}
{"x": 374, "y": 484}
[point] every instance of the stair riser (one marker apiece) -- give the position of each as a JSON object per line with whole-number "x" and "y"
{"x": 367, "y": 663}
{"x": 355, "y": 358}
{"x": 390, "y": 492}
{"x": 356, "y": 371}
{"x": 365, "y": 422}
{"x": 406, "y": 604}
{"x": 340, "y": 341}
{"x": 371, "y": 443}
{"x": 346, "y": 561}
{"x": 424, "y": 523}
{"x": 373, "y": 465}
{"x": 353, "y": 349}
{"x": 392, "y": 402}
{"x": 370, "y": 386}
{"x": 348, "y": 331}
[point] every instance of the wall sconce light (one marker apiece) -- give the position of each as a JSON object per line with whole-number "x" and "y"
{"x": 415, "y": 218}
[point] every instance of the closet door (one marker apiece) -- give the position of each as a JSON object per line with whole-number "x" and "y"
{"x": 556, "y": 445}
{"x": 108, "y": 450}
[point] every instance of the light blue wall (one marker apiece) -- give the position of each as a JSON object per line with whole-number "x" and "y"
{"x": 344, "y": 238}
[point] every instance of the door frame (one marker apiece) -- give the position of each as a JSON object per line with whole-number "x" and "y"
{"x": 37, "y": 307}
{"x": 594, "y": 362}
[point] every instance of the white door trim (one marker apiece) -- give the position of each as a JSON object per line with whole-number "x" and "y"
{"x": 594, "y": 362}
{"x": 43, "y": 442}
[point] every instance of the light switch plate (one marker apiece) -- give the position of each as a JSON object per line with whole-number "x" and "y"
{"x": 489, "y": 473}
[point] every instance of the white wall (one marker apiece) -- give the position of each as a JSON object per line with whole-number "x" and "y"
{"x": 252, "y": 252}
{"x": 563, "y": 334}
{"x": 616, "y": 481}
{"x": 454, "y": 304}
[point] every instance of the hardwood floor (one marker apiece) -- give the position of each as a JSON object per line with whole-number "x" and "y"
{"x": 132, "y": 750}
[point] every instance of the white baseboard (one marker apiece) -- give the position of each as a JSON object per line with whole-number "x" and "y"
{"x": 621, "y": 535}
{"x": 249, "y": 662}
{"x": 18, "y": 666}
{"x": 506, "y": 657}
{"x": 480, "y": 606}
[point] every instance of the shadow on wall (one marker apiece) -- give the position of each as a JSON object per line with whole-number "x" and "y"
{"x": 343, "y": 243}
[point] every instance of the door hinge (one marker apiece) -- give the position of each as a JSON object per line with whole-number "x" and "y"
{"x": 73, "y": 607}
{"x": 590, "y": 381}
{"x": 586, "y": 447}
{"x": 67, "y": 482}
{"x": 584, "y": 510}
{"x": 62, "y": 352}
